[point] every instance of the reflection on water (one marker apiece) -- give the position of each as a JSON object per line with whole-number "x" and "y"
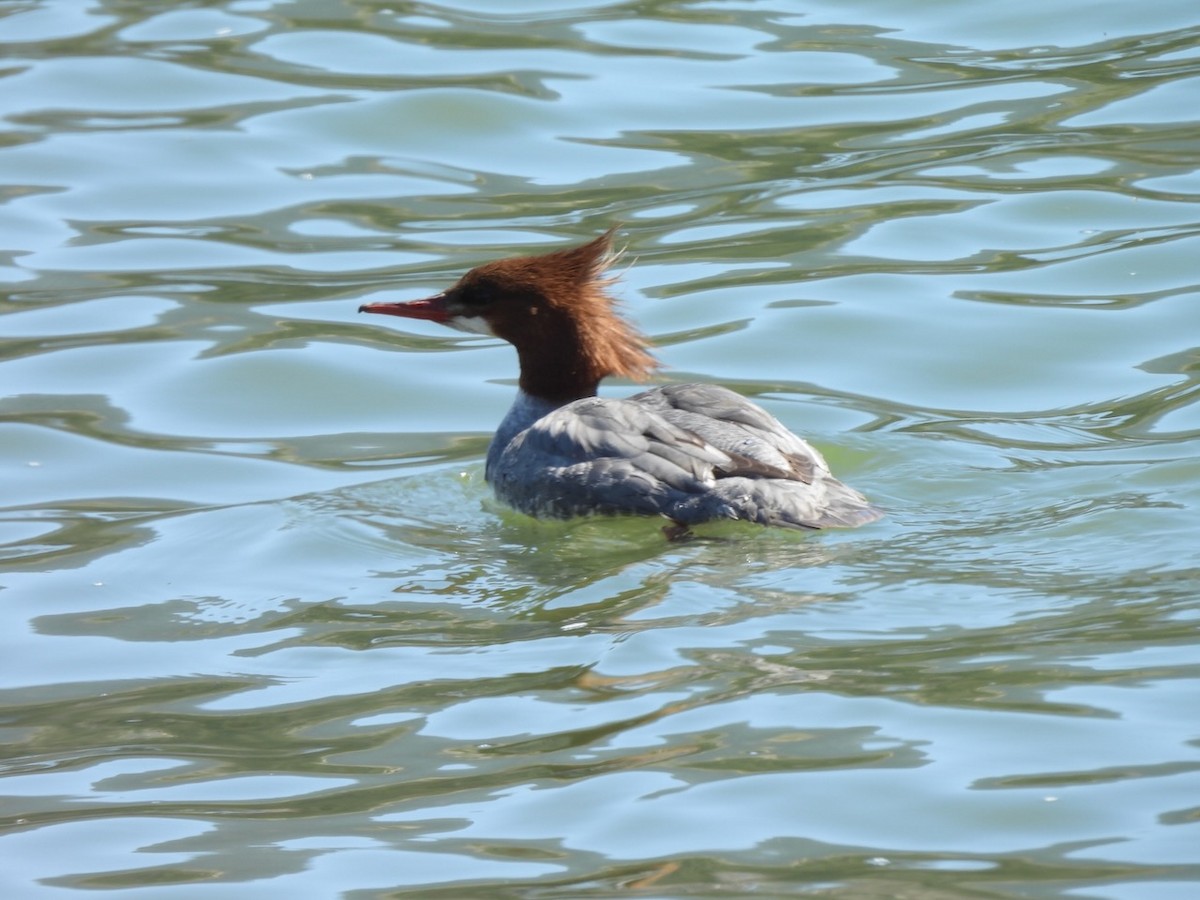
{"x": 264, "y": 624}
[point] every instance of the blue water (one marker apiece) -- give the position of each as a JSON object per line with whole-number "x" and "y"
{"x": 265, "y": 633}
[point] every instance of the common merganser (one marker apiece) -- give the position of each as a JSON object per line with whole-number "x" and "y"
{"x": 690, "y": 452}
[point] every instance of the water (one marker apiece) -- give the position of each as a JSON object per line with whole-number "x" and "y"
{"x": 264, "y": 632}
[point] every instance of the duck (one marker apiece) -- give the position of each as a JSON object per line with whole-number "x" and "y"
{"x": 689, "y": 453}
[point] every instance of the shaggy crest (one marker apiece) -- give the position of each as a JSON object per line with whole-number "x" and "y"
{"x": 562, "y": 320}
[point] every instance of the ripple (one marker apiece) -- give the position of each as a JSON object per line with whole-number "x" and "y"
{"x": 263, "y": 621}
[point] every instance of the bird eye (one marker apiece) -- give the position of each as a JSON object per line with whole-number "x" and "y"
{"x": 476, "y": 296}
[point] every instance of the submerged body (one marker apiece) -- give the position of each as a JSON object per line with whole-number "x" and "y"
{"x": 690, "y": 452}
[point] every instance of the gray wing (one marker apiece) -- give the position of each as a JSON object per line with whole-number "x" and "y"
{"x": 607, "y": 456}
{"x": 693, "y": 453}
{"x": 730, "y": 422}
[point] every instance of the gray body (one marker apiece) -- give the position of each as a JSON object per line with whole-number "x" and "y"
{"x": 691, "y": 452}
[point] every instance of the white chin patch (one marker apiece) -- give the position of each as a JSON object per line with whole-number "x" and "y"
{"x": 471, "y": 324}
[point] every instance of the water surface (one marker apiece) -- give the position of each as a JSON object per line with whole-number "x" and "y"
{"x": 265, "y": 632}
